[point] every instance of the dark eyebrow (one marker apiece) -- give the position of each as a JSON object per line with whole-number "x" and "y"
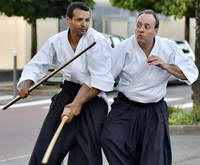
{"x": 146, "y": 24}
{"x": 141, "y": 23}
{"x": 82, "y": 18}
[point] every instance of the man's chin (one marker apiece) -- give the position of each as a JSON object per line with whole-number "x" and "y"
{"x": 139, "y": 40}
{"x": 83, "y": 32}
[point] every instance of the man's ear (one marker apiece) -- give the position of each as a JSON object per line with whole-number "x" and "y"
{"x": 156, "y": 30}
{"x": 68, "y": 20}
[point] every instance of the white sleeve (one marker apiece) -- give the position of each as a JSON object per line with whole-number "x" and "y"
{"x": 38, "y": 66}
{"x": 186, "y": 65}
{"x": 99, "y": 66}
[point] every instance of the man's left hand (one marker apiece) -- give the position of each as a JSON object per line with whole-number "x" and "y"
{"x": 157, "y": 61}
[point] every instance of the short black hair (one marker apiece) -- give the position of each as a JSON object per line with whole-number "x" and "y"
{"x": 152, "y": 13}
{"x": 76, "y": 5}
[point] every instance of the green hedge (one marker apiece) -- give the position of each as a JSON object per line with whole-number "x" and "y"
{"x": 178, "y": 116}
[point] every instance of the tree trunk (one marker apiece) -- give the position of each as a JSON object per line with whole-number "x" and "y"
{"x": 196, "y": 85}
{"x": 187, "y": 29}
{"x": 33, "y": 37}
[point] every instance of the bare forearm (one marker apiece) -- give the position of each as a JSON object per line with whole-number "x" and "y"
{"x": 85, "y": 94}
{"x": 26, "y": 84}
{"x": 174, "y": 70}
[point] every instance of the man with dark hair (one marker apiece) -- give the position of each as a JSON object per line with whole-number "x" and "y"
{"x": 76, "y": 5}
{"x": 136, "y": 131}
{"x": 80, "y": 98}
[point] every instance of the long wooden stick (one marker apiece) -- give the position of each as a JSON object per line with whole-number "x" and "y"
{"x": 48, "y": 76}
{"x": 53, "y": 141}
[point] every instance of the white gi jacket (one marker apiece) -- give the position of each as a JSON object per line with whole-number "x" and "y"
{"x": 92, "y": 68}
{"x": 146, "y": 83}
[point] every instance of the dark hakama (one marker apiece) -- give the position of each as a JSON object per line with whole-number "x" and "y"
{"x": 81, "y": 137}
{"x": 136, "y": 133}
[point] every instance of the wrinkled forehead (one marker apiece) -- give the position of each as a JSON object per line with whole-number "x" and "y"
{"x": 146, "y": 19}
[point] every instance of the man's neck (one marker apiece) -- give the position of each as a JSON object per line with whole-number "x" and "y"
{"x": 73, "y": 39}
{"x": 147, "y": 47}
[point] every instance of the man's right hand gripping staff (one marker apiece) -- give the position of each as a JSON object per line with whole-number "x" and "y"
{"x": 23, "y": 89}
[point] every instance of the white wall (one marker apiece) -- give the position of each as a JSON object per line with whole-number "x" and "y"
{"x": 115, "y": 26}
{"x": 45, "y": 29}
{"x": 12, "y": 36}
{"x": 15, "y": 34}
{"x": 192, "y": 33}
{"x": 172, "y": 28}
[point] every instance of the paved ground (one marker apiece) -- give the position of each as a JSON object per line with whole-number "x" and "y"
{"x": 186, "y": 151}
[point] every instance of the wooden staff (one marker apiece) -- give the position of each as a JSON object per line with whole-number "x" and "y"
{"x": 48, "y": 76}
{"x": 53, "y": 141}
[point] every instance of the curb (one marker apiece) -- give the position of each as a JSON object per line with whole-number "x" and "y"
{"x": 184, "y": 130}
{"x": 41, "y": 90}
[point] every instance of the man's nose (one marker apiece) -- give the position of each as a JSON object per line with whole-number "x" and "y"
{"x": 84, "y": 23}
{"x": 141, "y": 29}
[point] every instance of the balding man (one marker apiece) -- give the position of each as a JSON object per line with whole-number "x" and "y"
{"x": 136, "y": 131}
